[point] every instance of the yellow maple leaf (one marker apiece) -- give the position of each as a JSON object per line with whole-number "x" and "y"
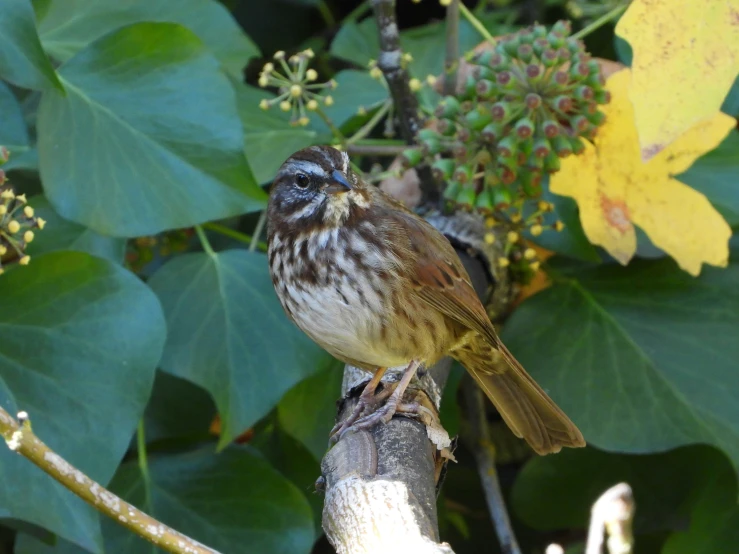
{"x": 616, "y": 190}
{"x": 686, "y": 57}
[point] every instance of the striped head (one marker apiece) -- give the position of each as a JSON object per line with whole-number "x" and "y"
{"x": 315, "y": 187}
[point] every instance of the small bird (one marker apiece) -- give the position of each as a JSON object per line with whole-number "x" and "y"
{"x": 377, "y": 286}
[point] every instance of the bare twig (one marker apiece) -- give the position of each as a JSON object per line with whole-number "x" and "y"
{"x": 451, "y": 60}
{"x": 612, "y": 514}
{"x": 406, "y": 104}
{"x": 374, "y": 149}
{"x": 21, "y": 439}
{"x": 484, "y": 451}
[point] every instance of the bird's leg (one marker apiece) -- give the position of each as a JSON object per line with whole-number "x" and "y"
{"x": 366, "y": 399}
{"x": 393, "y": 404}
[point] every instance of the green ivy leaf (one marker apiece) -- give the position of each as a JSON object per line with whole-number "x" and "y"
{"x": 178, "y": 409}
{"x": 233, "y": 502}
{"x": 147, "y": 138}
{"x": 23, "y": 61}
{"x": 13, "y": 131}
{"x": 308, "y": 410}
{"x": 228, "y": 334}
{"x": 68, "y": 26}
{"x": 80, "y": 338}
{"x": 665, "y": 486}
{"x": 642, "y": 358}
{"x": 714, "y": 518}
{"x": 61, "y": 234}
{"x": 716, "y": 175}
{"x": 268, "y": 136}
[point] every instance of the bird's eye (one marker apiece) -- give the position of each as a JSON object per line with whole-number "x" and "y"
{"x": 302, "y": 180}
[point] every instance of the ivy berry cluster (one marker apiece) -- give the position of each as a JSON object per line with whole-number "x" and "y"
{"x": 527, "y": 103}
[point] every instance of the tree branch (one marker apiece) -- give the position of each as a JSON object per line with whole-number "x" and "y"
{"x": 381, "y": 484}
{"x": 21, "y": 439}
{"x": 478, "y": 439}
{"x": 406, "y": 104}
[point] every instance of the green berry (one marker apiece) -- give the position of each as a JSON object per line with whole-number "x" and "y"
{"x": 505, "y": 80}
{"x": 446, "y": 127}
{"x": 501, "y": 111}
{"x": 483, "y": 72}
{"x": 549, "y": 57}
{"x": 562, "y": 146}
{"x": 525, "y": 52}
{"x": 532, "y": 101}
{"x": 542, "y": 148}
{"x": 466, "y": 197}
{"x": 551, "y": 129}
{"x": 442, "y": 169}
{"x": 411, "y": 157}
{"x": 524, "y": 128}
{"x": 447, "y": 108}
{"x": 584, "y": 92}
{"x": 484, "y": 201}
{"x": 533, "y": 72}
{"x": 507, "y": 147}
{"x": 491, "y": 133}
{"x": 463, "y": 173}
{"x": 499, "y": 62}
{"x": 552, "y": 163}
{"x": 477, "y": 119}
{"x": 578, "y": 146}
{"x": 486, "y": 89}
{"x": 562, "y": 28}
{"x": 597, "y": 118}
{"x": 501, "y": 198}
{"x": 540, "y": 45}
{"x": 579, "y": 123}
{"x": 602, "y": 96}
{"x": 452, "y": 190}
{"x": 562, "y": 104}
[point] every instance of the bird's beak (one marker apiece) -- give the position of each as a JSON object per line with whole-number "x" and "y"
{"x": 338, "y": 183}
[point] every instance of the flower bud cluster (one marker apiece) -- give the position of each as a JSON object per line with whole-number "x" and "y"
{"x": 17, "y": 221}
{"x": 297, "y": 91}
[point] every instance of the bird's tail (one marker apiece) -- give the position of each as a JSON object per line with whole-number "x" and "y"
{"x": 522, "y": 403}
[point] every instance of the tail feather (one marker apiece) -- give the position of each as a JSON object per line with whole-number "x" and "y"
{"x": 522, "y": 403}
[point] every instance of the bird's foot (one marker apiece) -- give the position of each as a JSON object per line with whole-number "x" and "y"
{"x": 382, "y": 415}
{"x": 367, "y": 400}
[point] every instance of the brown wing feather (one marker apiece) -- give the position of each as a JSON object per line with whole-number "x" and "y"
{"x": 441, "y": 280}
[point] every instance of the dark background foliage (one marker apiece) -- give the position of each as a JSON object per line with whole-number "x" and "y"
{"x": 129, "y": 123}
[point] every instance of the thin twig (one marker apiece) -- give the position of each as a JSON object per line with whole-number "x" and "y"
{"x": 258, "y": 231}
{"x": 143, "y": 462}
{"x": 602, "y": 20}
{"x": 366, "y": 129}
{"x": 476, "y": 23}
{"x": 612, "y": 513}
{"x": 406, "y": 103}
{"x": 204, "y": 241}
{"x": 484, "y": 451}
{"x": 451, "y": 60}
{"x": 234, "y": 234}
{"x": 21, "y": 439}
{"x": 374, "y": 150}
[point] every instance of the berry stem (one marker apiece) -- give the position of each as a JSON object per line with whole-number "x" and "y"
{"x": 204, "y": 241}
{"x": 234, "y": 234}
{"x": 602, "y": 20}
{"x": 338, "y": 135}
{"x": 476, "y": 23}
{"x": 366, "y": 129}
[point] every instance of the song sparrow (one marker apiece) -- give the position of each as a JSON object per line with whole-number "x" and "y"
{"x": 377, "y": 286}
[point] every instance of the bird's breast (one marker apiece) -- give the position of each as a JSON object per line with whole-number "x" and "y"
{"x": 346, "y": 293}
